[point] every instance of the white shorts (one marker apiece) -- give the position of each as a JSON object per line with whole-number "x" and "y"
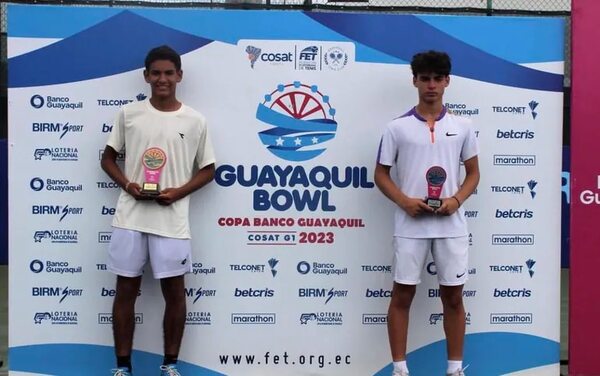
{"x": 129, "y": 251}
{"x": 449, "y": 254}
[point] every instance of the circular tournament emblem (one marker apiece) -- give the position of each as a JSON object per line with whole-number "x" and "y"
{"x": 154, "y": 158}
{"x": 436, "y": 176}
{"x": 335, "y": 58}
{"x": 303, "y": 120}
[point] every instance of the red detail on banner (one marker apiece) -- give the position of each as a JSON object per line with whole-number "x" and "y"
{"x": 584, "y": 307}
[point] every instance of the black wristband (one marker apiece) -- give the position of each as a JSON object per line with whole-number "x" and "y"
{"x": 457, "y": 200}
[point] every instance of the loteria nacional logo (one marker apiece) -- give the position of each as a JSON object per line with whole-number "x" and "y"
{"x": 198, "y": 318}
{"x": 302, "y": 118}
{"x": 56, "y": 236}
{"x": 59, "y": 128}
{"x": 56, "y": 318}
{"x": 434, "y": 318}
{"x": 56, "y": 154}
{"x": 322, "y": 318}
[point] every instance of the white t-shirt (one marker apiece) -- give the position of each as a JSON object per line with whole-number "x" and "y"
{"x": 407, "y": 143}
{"x": 183, "y": 136}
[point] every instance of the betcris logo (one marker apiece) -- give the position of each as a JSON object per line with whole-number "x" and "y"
{"x": 104, "y": 292}
{"x": 381, "y": 293}
{"x": 58, "y": 210}
{"x": 512, "y": 293}
{"x": 326, "y": 294}
{"x": 59, "y": 128}
{"x": 515, "y": 135}
{"x": 308, "y": 59}
{"x": 60, "y": 292}
{"x": 197, "y": 293}
{"x": 514, "y": 160}
{"x": 54, "y": 185}
{"x": 257, "y": 54}
{"x": 521, "y": 110}
{"x": 57, "y": 103}
{"x": 253, "y": 318}
{"x": 106, "y": 128}
{"x": 320, "y": 268}
{"x": 107, "y": 211}
{"x": 514, "y": 214}
{"x": 107, "y": 318}
{"x": 253, "y": 293}
{"x": 56, "y": 236}
{"x": 322, "y": 318}
{"x": 374, "y": 319}
{"x": 198, "y": 318}
{"x": 56, "y": 318}
{"x": 297, "y": 132}
{"x": 56, "y": 154}
{"x": 511, "y": 318}
{"x": 513, "y": 239}
{"x": 118, "y": 102}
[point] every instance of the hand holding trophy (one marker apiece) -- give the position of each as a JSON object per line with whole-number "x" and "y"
{"x": 436, "y": 177}
{"x": 153, "y": 160}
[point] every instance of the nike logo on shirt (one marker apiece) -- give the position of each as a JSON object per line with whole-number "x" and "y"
{"x": 181, "y": 135}
{"x": 450, "y": 134}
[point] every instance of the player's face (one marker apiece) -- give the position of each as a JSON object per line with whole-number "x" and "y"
{"x": 163, "y": 78}
{"x": 431, "y": 86}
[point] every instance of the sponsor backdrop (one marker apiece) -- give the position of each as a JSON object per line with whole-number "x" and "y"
{"x": 291, "y": 271}
{"x": 584, "y": 330}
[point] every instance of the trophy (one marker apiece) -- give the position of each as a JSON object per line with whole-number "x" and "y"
{"x": 154, "y": 160}
{"x": 436, "y": 176}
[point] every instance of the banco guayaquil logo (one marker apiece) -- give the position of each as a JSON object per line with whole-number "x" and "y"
{"x": 303, "y": 119}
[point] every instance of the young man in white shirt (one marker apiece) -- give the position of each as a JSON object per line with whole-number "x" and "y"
{"x": 168, "y": 156}
{"x": 427, "y": 145}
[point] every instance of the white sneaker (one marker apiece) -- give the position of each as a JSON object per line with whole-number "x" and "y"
{"x": 458, "y": 372}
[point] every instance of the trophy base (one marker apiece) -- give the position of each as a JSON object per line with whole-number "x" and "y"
{"x": 434, "y": 203}
{"x": 150, "y": 189}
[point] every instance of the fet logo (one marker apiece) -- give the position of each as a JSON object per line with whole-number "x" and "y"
{"x": 303, "y": 119}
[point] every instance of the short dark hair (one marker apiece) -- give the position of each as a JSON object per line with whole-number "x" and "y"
{"x": 431, "y": 62}
{"x": 163, "y": 52}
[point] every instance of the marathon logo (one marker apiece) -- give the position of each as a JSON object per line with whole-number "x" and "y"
{"x": 513, "y": 239}
{"x": 374, "y": 319}
{"x": 511, "y": 318}
{"x": 514, "y": 160}
{"x": 107, "y": 318}
{"x": 253, "y": 318}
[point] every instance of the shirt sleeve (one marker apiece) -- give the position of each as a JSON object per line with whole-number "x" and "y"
{"x": 205, "y": 153}
{"x": 387, "y": 153}
{"x": 116, "y": 139}
{"x": 470, "y": 146}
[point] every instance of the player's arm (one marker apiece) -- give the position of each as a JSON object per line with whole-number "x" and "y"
{"x": 412, "y": 206}
{"x": 451, "y": 204}
{"x": 204, "y": 176}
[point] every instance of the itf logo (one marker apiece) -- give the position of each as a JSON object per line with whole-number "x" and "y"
{"x": 302, "y": 118}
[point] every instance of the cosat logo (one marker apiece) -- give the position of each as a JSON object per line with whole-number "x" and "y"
{"x": 56, "y": 318}
{"x": 60, "y": 128}
{"x": 322, "y": 318}
{"x": 275, "y": 58}
{"x": 303, "y": 120}
{"x": 335, "y": 58}
{"x": 253, "y": 55}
